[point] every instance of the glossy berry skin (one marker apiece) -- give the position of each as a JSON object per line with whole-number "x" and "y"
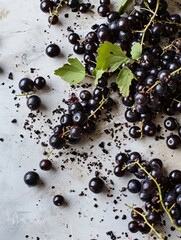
{"x": 39, "y": 82}
{"x": 58, "y": 200}
{"x": 149, "y": 129}
{"x": 79, "y": 118}
{"x": 33, "y": 102}
{"x": 103, "y": 10}
{"x": 45, "y": 165}
{"x": 75, "y": 132}
{"x": 75, "y": 107}
{"x": 135, "y": 216}
{"x": 153, "y": 217}
{"x": 52, "y": 50}
{"x": 133, "y": 226}
{"x": 96, "y": 185}
{"x": 56, "y": 142}
{"x": 73, "y": 3}
{"x": 53, "y": 19}
{"x": 85, "y": 95}
{"x": 89, "y": 127}
{"x": 118, "y": 171}
{"x": 135, "y": 132}
{"x": 121, "y": 158}
{"x": 26, "y": 85}
{"x": 58, "y": 130}
{"x": 46, "y": 5}
{"x": 31, "y": 178}
{"x": 173, "y": 141}
{"x": 66, "y": 119}
{"x": 170, "y": 123}
{"x": 134, "y": 186}
{"x": 73, "y": 38}
{"x": 175, "y": 176}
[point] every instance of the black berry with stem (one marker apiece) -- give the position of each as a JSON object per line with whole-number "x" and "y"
{"x": 46, "y": 6}
{"x": 31, "y": 178}
{"x": 153, "y": 217}
{"x": 53, "y": 19}
{"x": 79, "y": 48}
{"x": 58, "y": 200}
{"x": 96, "y": 185}
{"x": 39, "y": 82}
{"x": 121, "y": 158}
{"x": 75, "y": 132}
{"x": 57, "y": 142}
{"x": 73, "y": 38}
{"x": 26, "y": 85}
{"x": 149, "y": 129}
{"x": 135, "y": 215}
{"x": 45, "y": 164}
{"x": 58, "y": 130}
{"x": 119, "y": 171}
{"x": 33, "y": 102}
{"x": 135, "y": 132}
{"x": 52, "y": 50}
{"x": 131, "y": 116}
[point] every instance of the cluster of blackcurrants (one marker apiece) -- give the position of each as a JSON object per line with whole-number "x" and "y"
{"x": 83, "y": 112}
{"x": 158, "y": 85}
{"x": 26, "y": 85}
{"x": 145, "y": 186}
{"x": 52, "y": 7}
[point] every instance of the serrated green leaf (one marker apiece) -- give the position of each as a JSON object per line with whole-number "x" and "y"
{"x": 110, "y": 57}
{"x": 124, "y": 80}
{"x": 123, "y": 6}
{"x": 136, "y": 51}
{"x": 72, "y": 72}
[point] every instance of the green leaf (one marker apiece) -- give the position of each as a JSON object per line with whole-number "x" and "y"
{"x": 110, "y": 57}
{"x": 123, "y": 6}
{"x": 124, "y": 80}
{"x": 136, "y": 51}
{"x": 73, "y": 73}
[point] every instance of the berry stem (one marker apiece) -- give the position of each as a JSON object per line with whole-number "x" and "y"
{"x": 176, "y": 71}
{"x": 146, "y": 221}
{"x": 151, "y": 88}
{"x": 55, "y": 12}
{"x": 101, "y": 104}
{"x": 160, "y": 195}
{"x": 150, "y": 22}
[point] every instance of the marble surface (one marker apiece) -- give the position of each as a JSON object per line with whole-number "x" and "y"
{"x": 28, "y": 213}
